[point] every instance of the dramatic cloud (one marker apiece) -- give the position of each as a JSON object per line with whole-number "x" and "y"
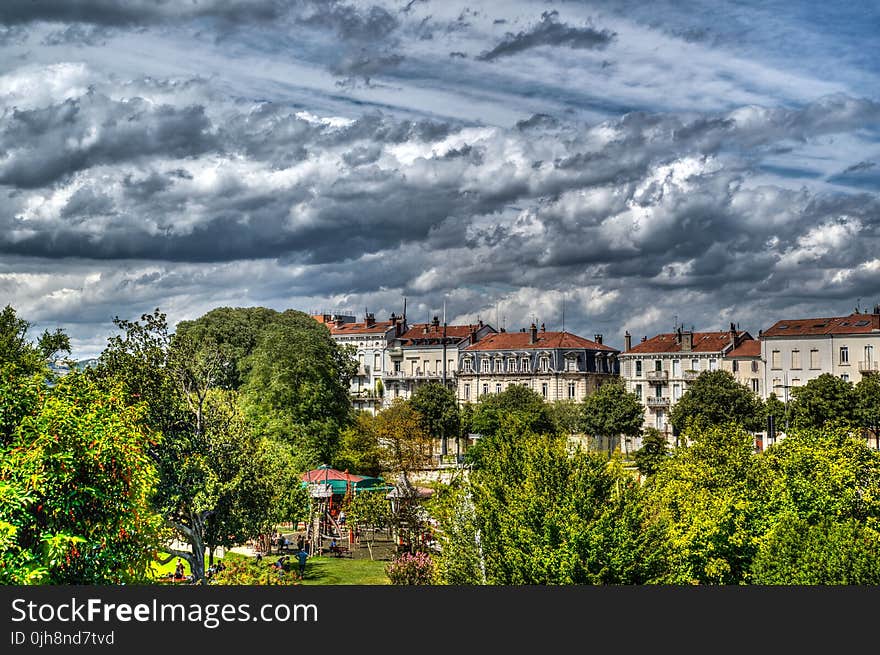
{"x": 598, "y": 163}
{"x": 549, "y": 32}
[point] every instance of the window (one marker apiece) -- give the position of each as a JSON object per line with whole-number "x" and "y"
{"x": 814, "y": 358}
{"x": 544, "y": 390}
{"x": 484, "y": 365}
{"x": 639, "y": 391}
{"x": 450, "y": 365}
{"x": 869, "y": 358}
{"x": 497, "y": 388}
{"x": 499, "y": 365}
{"x": 775, "y": 359}
{"x": 735, "y": 366}
{"x": 525, "y": 365}
{"x": 397, "y": 366}
{"x": 695, "y": 364}
{"x": 485, "y": 389}
{"x": 571, "y": 364}
{"x": 377, "y": 362}
{"x": 795, "y": 358}
{"x": 844, "y": 355}
{"x": 361, "y": 359}
{"x": 754, "y": 367}
{"x": 511, "y": 365}
{"x": 756, "y": 385}
{"x": 396, "y": 390}
{"x": 466, "y": 365}
{"x": 676, "y": 368}
{"x": 658, "y": 365}
{"x": 676, "y": 392}
{"x": 658, "y": 419}
{"x": 544, "y": 364}
{"x": 426, "y": 366}
{"x": 638, "y": 368}
{"x": 796, "y": 382}
{"x": 572, "y": 388}
{"x": 844, "y": 377}
{"x": 713, "y": 364}
{"x": 439, "y": 364}
{"x": 467, "y": 392}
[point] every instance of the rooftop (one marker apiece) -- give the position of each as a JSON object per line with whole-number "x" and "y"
{"x": 747, "y": 349}
{"x": 801, "y": 327}
{"x": 703, "y": 342}
{"x": 544, "y": 340}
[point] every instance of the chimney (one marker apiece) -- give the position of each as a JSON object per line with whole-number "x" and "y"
{"x": 644, "y": 339}
{"x": 543, "y": 329}
{"x": 370, "y": 320}
{"x": 678, "y": 335}
{"x": 435, "y": 323}
{"x": 687, "y": 341}
{"x": 533, "y": 334}
{"x": 732, "y": 335}
{"x": 598, "y": 339}
{"x": 760, "y": 332}
{"x": 339, "y": 321}
{"x": 877, "y": 309}
{"x": 473, "y": 335}
{"x": 627, "y": 340}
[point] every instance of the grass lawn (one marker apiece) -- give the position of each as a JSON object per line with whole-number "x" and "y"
{"x": 344, "y": 571}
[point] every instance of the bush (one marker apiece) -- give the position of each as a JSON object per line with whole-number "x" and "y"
{"x": 251, "y": 572}
{"x": 407, "y": 569}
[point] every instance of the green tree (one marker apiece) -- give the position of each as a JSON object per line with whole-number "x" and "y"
{"x": 825, "y": 399}
{"x": 653, "y": 453}
{"x": 710, "y": 501}
{"x": 370, "y": 512}
{"x": 358, "y": 449}
{"x": 778, "y": 410}
{"x": 297, "y": 387}
{"x": 868, "y": 405}
{"x": 566, "y": 416}
{"x": 438, "y": 409}
{"x": 612, "y": 411}
{"x": 518, "y": 400}
{"x": 76, "y": 483}
{"x": 716, "y": 398}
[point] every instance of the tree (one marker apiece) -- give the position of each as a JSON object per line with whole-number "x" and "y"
{"x": 438, "y": 409}
{"x": 404, "y": 445}
{"x": 716, "y": 398}
{"x": 566, "y": 416}
{"x": 358, "y": 449}
{"x": 778, "y": 410}
{"x": 868, "y": 405}
{"x": 75, "y": 487}
{"x": 516, "y": 399}
{"x": 825, "y": 399}
{"x": 369, "y": 511}
{"x": 19, "y": 354}
{"x": 297, "y": 387}
{"x": 710, "y": 499}
{"x": 653, "y": 453}
{"x": 612, "y": 411}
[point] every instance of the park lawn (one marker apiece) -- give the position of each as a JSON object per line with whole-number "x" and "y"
{"x": 344, "y": 571}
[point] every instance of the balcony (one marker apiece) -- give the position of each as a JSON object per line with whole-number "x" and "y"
{"x": 656, "y": 376}
{"x": 690, "y": 375}
{"x": 866, "y": 368}
{"x": 657, "y": 401}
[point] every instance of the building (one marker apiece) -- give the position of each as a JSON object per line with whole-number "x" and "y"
{"x": 658, "y": 370}
{"x": 799, "y": 350}
{"x": 427, "y": 352}
{"x": 746, "y": 365}
{"x": 557, "y": 365}
{"x": 369, "y": 341}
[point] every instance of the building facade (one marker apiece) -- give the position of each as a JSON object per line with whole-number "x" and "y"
{"x": 746, "y": 365}
{"x": 658, "y": 370}
{"x": 796, "y": 351}
{"x": 557, "y": 365}
{"x": 369, "y": 342}
{"x": 427, "y": 352}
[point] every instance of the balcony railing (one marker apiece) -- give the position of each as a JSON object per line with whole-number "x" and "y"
{"x": 869, "y": 367}
{"x": 690, "y": 375}
{"x": 656, "y": 375}
{"x": 656, "y": 401}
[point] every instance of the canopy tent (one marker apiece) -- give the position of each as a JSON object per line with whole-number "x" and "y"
{"x": 325, "y": 481}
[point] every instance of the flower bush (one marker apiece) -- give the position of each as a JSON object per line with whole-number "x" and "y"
{"x": 411, "y": 569}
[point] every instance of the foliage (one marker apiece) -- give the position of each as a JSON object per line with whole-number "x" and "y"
{"x": 710, "y": 500}
{"x": 411, "y": 569}
{"x": 76, "y": 488}
{"x": 16, "y": 352}
{"x": 297, "y": 387}
{"x": 868, "y": 405}
{"x": 404, "y": 446}
{"x": 612, "y": 411}
{"x": 358, "y": 449}
{"x": 251, "y": 572}
{"x": 653, "y": 453}
{"x": 566, "y": 416}
{"x": 460, "y": 561}
{"x": 825, "y": 399}
{"x": 518, "y": 400}
{"x": 438, "y": 410}
{"x": 777, "y": 409}
{"x": 830, "y": 552}
{"x": 716, "y": 398}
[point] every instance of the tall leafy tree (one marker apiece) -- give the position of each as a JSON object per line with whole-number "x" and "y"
{"x": 716, "y": 398}
{"x": 76, "y": 484}
{"x": 612, "y": 411}
{"x": 868, "y": 406}
{"x": 826, "y": 399}
{"x": 438, "y": 410}
{"x": 359, "y": 450}
{"x": 653, "y": 453}
{"x": 517, "y": 399}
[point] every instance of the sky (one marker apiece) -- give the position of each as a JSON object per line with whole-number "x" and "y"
{"x": 600, "y": 167}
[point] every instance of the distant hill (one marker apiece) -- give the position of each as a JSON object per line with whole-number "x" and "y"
{"x": 62, "y": 368}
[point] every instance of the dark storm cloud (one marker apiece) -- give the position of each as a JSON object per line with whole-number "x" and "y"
{"x": 549, "y": 31}
{"x": 78, "y": 34}
{"x": 46, "y": 144}
{"x": 132, "y": 12}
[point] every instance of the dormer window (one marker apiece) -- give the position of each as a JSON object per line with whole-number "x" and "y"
{"x": 544, "y": 363}
{"x": 484, "y": 365}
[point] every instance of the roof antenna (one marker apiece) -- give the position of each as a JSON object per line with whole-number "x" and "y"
{"x": 563, "y": 311}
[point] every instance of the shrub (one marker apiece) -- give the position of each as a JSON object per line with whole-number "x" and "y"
{"x": 408, "y": 569}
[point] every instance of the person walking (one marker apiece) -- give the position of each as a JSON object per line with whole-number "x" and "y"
{"x": 302, "y": 556}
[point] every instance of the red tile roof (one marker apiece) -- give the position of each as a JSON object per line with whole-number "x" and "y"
{"x": 417, "y": 331}
{"x": 802, "y": 327}
{"x": 546, "y": 340}
{"x": 750, "y": 348}
{"x": 703, "y": 342}
{"x": 379, "y": 327}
